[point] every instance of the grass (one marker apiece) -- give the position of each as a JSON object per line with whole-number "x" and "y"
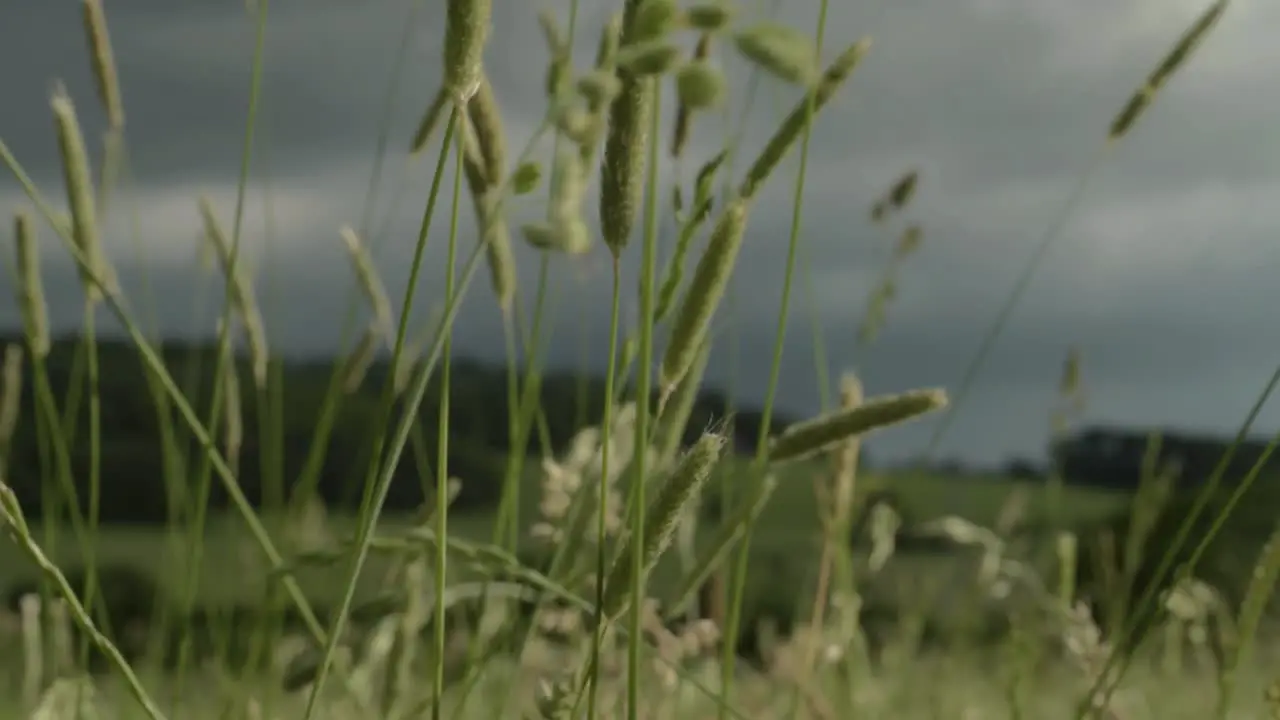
{"x": 618, "y": 510}
{"x": 785, "y": 527}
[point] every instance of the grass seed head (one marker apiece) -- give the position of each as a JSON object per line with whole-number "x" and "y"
{"x": 674, "y": 498}
{"x": 551, "y": 32}
{"x": 782, "y": 51}
{"x": 598, "y": 88}
{"x": 568, "y": 183}
{"x": 489, "y": 221}
{"x": 649, "y": 57}
{"x": 77, "y": 178}
{"x": 654, "y": 19}
{"x": 805, "y": 439}
{"x": 526, "y": 178}
{"x": 793, "y": 126}
{"x": 35, "y": 312}
{"x": 558, "y": 69}
{"x": 570, "y": 236}
{"x": 708, "y": 17}
{"x": 486, "y": 123}
{"x": 466, "y": 33}
{"x": 1172, "y": 61}
{"x": 703, "y": 295}
{"x": 370, "y": 282}
{"x": 242, "y": 297}
{"x": 896, "y": 199}
{"x": 622, "y": 173}
{"x": 700, "y": 86}
{"x": 497, "y": 249}
{"x": 576, "y": 124}
{"x": 104, "y": 63}
{"x": 610, "y": 40}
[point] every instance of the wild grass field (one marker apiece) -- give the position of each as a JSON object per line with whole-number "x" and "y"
{"x": 648, "y": 559}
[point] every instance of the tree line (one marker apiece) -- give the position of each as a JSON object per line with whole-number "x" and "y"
{"x": 137, "y": 466}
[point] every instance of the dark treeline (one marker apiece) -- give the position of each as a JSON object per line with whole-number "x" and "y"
{"x": 1113, "y": 457}
{"x": 133, "y": 460}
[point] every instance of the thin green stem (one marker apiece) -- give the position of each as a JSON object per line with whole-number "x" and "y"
{"x": 376, "y": 496}
{"x": 442, "y": 450}
{"x": 775, "y": 370}
{"x": 95, "y": 472}
{"x": 602, "y": 489}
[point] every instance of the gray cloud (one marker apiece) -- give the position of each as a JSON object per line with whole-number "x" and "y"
{"x": 1160, "y": 277}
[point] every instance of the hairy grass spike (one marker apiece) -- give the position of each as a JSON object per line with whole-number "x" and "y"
{"x": 703, "y": 296}
{"x": 693, "y": 92}
{"x": 465, "y": 35}
{"x": 35, "y": 311}
{"x": 621, "y": 175}
{"x": 793, "y": 126}
{"x": 708, "y": 17}
{"x": 782, "y": 51}
{"x": 486, "y": 122}
{"x": 610, "y": 41}
{"x": 649, "y": 58}
{"x": 370, "y": 282}
{"x": 497, "y": 249}
{"x": 898, "y": 196}
{"x": 242, "y": 297}
{"x": 526, "y": 178}
{"x": 77, "y": 178}
{"x": 1177, "y": 55}
{"x": 558, "y": 70}
{"x": 569, "y": 182}
{"x": 598, "y": 88}
{"x": 104, "y": 63}
{"x": 571, "y": 237}
{"x": 497, "y": 243}
{"x": 700, "y": 85}
{"x": 654, "y": 19}
{"x": 811, "y": 437}
{"x": 684, "y": 484}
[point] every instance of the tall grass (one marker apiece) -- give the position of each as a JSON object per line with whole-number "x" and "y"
{"x": 606, "y": 560}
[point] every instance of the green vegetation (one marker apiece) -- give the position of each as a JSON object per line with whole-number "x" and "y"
{"x": 209, "y": 530}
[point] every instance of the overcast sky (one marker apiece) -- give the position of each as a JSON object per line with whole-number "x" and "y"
{"x": 1163, "y": 277}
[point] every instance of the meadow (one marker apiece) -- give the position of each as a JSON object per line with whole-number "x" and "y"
{"x": 395, "y": 535}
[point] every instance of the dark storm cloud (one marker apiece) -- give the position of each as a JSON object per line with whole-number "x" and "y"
{"x": 1161, "y": 276}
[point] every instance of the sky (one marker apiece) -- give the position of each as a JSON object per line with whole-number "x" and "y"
{"x": 1161, "y": 276}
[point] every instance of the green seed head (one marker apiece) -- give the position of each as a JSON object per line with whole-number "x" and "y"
{"x": 782, "y": 51}
{"x": 526, "y": 178}
{"x": 708, "y": 17}
{"x": 599, "y": 88}
{"x": 699, "y": 85}
{"x": 650, "y": 57}
{"x": 654, "y": 19}
{"x": 466, "y": 32}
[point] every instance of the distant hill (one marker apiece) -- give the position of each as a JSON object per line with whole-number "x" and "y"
{"x": 133, "y": 459}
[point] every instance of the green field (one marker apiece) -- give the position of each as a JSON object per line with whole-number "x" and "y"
{"x": 209, "y": 467}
